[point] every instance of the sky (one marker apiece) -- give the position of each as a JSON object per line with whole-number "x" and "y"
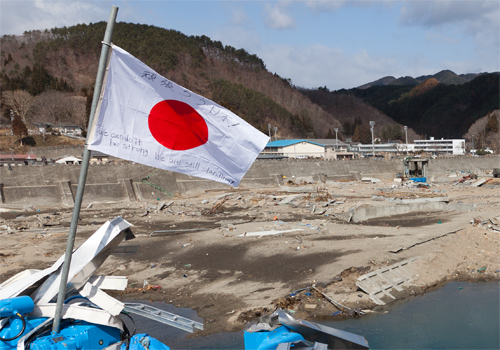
{"x": 340, "y": 44}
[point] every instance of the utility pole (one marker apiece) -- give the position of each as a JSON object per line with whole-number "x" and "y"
{"x": 372, "y": 126}
{"x": 269, "y": 127}
{"x": 275, "y": 129}
{"x": 406, "y": 135}
{"x": 336, "y": 138}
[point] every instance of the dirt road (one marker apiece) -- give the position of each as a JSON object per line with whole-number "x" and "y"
{"x": 234, "y": 255}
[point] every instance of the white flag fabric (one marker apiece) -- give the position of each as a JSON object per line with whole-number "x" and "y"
{"x": 146, "y": 118}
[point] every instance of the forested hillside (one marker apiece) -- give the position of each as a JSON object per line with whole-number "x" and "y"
{"x": 62, "y": 62}
{"x": 436, "y": 109}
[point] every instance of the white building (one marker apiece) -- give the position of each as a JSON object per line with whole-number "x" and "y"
{"x": 68, "y": 160}
{"x": 442, "y": 146}
{"x": 295, "y": 149}
{"x": 334, "y": 149}
{"x": 385, "y": 148}
{"x": 68, "y": 129}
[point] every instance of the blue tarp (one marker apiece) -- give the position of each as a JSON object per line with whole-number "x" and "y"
{"x": 143, "y": 341}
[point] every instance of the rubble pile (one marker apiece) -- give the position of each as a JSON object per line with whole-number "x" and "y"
{"x": 241, "y": 252}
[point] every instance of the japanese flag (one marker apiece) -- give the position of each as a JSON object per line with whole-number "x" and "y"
{"x": 146, "y": 118}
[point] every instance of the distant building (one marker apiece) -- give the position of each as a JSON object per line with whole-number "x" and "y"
{"x": 385, "y": 148}
{"x": 68, "y": 160}
{"x": 330, "y": 143}
{"x": 334, "y": 149}
{"x": 40, "y": 128}
{"x": 331, "y": 149}
{"x": 13, "y": 159}
{"x": 442, "y": 146}
{"x": 299, "y": 149}
{"x": 68, "y": 129}
{"x": 98, "y": 157}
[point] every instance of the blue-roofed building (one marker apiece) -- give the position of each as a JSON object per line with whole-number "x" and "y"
{"x": 335, "y": 149}
{"x": 299, "y": 149}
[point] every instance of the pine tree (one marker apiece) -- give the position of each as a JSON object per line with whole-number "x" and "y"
{"x": 347, "y": 128}
{"x": 492, "y": 125}
{"x": 19, "y": 128}
{"x": 40, "y": 80}
{"x": 330, "y": 134}
{"x": 365, "y": 135}
{"x": 356, "y": 136}
{"x": 88, "y": 106}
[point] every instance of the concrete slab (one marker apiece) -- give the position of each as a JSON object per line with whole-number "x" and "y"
{"x": 478, "y": 183}
{"x": 379, "y": 283}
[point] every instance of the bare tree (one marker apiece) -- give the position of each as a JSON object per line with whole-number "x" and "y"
{"x": 51, "y": 107}
{"x": 19, "y": 101}
{"x": 78, "y": 111}
{"x": 481, "y": 136}
{"x": 59, "y": 108}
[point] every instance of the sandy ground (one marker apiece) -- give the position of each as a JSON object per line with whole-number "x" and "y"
{"x": 220, "y": 252}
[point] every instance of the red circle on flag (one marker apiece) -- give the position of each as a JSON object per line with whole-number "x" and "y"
{"x": 177, "y": 126}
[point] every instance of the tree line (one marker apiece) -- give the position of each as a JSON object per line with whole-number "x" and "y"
{"x": 444, "y": 111}
{"x": 37, "y": 96}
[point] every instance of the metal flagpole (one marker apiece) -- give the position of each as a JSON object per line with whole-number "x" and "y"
{"x": 83, "y": 172}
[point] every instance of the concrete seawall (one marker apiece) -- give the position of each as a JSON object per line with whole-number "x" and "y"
{"x": 53, "y": 185}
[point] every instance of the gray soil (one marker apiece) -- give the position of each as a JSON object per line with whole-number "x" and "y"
{"x": 214, "y": 255}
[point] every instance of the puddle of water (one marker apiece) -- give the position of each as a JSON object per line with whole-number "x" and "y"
{"x": 416, "y": 219}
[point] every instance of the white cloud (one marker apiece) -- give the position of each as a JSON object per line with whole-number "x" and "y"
{"x": 436, "y": 37}
{"x": 238, "y": 38}
{"x": 20, "y": 16}
{"x": 454, "y": 21}
{"x": 328, "y": 5}
{"x": 319, "y": 65}
{"x": 334, "y": 5}
{"x": 239, "y": 17}
{"x": 276, "y": 17}
{"x": 440, "y": 12}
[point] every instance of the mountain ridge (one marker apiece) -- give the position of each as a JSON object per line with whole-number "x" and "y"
{"x": 446, "y": 76}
